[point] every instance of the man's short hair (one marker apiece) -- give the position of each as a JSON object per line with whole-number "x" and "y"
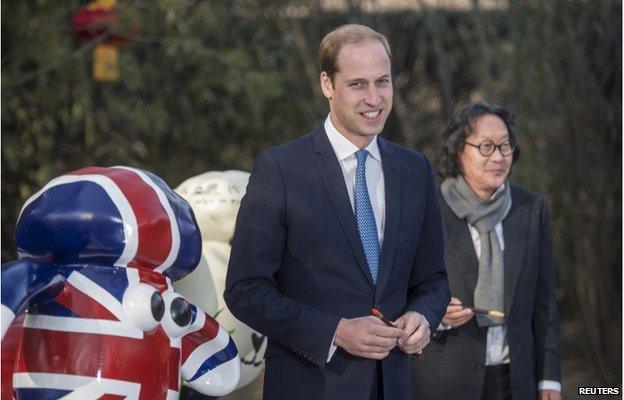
{"x": 333, "y": 42}
{"x": 460, "y": 127}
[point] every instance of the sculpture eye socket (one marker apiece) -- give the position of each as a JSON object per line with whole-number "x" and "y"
{"x": 144, "y": 306}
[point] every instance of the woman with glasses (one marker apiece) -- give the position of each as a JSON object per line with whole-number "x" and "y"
{"x": 499, "y": 338}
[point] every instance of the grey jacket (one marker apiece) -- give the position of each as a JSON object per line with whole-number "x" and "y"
{"x": 454, "y": 362}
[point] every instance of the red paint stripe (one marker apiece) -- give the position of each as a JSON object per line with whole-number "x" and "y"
{"x": 83, "y": 305}
{"x": 174, "y": 369}
{"x": 155, "y": 279}
{"x": 149, "y": 361}
{"x": 11, "y": 344}
{"x": 154, "y": 227}
{"x": 193, "y": 340}
{"x": 112, "y": 397}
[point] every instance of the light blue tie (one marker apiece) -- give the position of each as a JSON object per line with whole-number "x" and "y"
{"x": 365, "y": 216}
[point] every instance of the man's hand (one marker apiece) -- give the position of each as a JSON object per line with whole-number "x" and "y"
{"x": 549, "y": 395}
{"x": 416, "y": 332}
{"x": 456, "y": 315}
{"x": 366, "y": 337}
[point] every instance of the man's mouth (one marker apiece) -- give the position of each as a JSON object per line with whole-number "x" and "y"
{"x": 372, "y": 115}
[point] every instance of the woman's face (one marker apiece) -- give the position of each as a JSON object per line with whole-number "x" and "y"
{"x": 485, "y": 174}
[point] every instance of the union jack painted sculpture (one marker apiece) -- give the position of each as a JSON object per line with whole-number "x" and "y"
{"x": 89, "y": 311}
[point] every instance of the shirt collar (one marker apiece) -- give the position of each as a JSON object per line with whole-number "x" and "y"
{"x": 343, "y": 147}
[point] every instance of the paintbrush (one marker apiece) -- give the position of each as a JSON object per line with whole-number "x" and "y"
{"x": 383, "y": 319}
{"x": 493, "y": 313}
{"x": 379, "y": 315}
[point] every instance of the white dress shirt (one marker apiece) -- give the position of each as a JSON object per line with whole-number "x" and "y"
{"x": 345, "y": 152}
{"x": 497, "y": 348}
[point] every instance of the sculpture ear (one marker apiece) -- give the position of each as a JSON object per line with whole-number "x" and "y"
{"x": 27, "y": 283}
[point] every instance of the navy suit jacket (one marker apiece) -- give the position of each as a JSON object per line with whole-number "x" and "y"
{"x": 297, "y": 266}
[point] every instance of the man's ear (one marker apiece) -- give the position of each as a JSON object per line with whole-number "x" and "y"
{"x": 326, "y": 85}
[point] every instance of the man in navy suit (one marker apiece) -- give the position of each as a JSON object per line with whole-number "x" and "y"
{"x": 333, "y": 224}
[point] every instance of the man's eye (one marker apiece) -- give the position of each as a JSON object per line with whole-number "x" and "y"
{"x": 383, "y": 81}
{"x": 488, "y": 146}
{"x": 356, "y": 84}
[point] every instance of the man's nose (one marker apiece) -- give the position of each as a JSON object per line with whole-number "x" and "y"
{"x": 373, "y": 98}
{"x": 497, "y": 155}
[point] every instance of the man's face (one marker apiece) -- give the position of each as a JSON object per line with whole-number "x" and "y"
{"x": 485, "y": 174}
{"x": 360, "y": 96}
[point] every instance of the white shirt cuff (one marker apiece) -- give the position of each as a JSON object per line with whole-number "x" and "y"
{"x": 332, "y": 347}
{"x": 443, "y": 327}
{"x": 549, "y": 385}
{"x": 332, "y": 350}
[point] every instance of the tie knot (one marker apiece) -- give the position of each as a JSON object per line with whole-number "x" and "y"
{"x": 361, "y": 155}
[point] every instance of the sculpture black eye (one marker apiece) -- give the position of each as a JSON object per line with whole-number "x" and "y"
{"x": 157, "y": 305}
{"x": 180, "y": 311}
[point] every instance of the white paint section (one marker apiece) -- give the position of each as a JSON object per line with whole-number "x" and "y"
{"x": 133, "y": 276}
{"x": 84, "y": 387}
{"x": 83, "y": 325}
{"x": 172, "y": 395}
{"x": 7, "y": 317}
{"x": 219, "y": 381}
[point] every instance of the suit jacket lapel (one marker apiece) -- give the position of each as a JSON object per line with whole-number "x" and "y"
{"x": 459, "y": 246}
{"x": 515, "y": 230}
{"x": 393, "y": 171}
{"x": 329, "y": 168}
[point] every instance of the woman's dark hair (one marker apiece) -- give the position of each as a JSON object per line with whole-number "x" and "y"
{"x": 460, "y": 127}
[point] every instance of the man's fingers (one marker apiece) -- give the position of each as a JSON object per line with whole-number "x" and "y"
{"x": 417, "y": 346}
{"x": 463, "y": 319}
{"x": 549, "y": 395}
{"x": 458, "y": 317}
{"x": 418, "y": 335}
{"x": 376, "y": 355}
{"x": 455, "y": 300}
{"x": 461, "y": 312}
{"x": 454, "y": 308}
{"x": 386, "y": 331}
{"x": 380, "y": 341}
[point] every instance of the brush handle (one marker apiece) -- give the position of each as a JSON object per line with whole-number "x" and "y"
{"x": 479, "y": 310}
{"x": 379, "y": 315}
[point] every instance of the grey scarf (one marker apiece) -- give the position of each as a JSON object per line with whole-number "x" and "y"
{"x": 484, "y": 215}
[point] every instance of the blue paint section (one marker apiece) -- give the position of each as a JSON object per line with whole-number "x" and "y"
{"x": 40, "y": 394}
{"x": 113, "y": 279}
{"x": 72, "y": 223}
{"x": 189, "y": 253}
{"x": 28, "y": 282}
{"x": 193, "y": 313}
{"x": 229, "y": 352}
{"x": 52, "y": 308}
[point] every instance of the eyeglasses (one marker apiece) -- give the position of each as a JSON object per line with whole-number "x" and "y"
{"x": 487, "y": 148}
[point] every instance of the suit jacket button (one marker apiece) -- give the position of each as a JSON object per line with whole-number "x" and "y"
{"x": 479, "y": 367}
